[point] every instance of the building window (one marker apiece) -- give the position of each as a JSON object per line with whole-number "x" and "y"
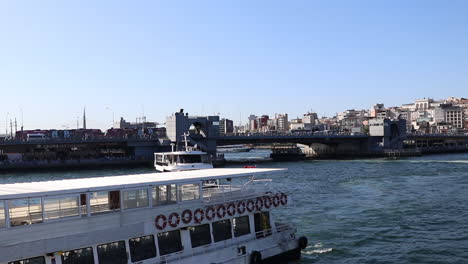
{"x": 104, "y": 202}
{"x": 38, "y": 260}
{"x": 200, "y": 235}
{"x": 169, "y": 242}
{"x": 2, "y": 214}
{"x": 241, "y": 226}
{"x": 135, "y": 199}
{"x": 164, "y": 195}
{"x": 222, "y": 230}
{"x": 189, "y": 192}
{"x": 61, "y": 207}
{"x": 112, "y": 253}
{"x": 262, "y": 224}
{"x": 78, "y": 256}
{"x": 142, "y": 248}
{"x": 25, "y": 211}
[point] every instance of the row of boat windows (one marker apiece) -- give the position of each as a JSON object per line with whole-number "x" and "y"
{"x": 36, "y": 210}
{"x": 142, "y": 248}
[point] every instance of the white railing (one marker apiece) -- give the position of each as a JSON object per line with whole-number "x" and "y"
{"x": 229, "y": 193}
{"x": 279, "y": 229}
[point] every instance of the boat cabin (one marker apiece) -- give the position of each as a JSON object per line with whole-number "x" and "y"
{"x": 181, "y": 160}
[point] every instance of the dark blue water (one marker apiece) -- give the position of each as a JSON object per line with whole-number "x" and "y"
{"x": 411, "y": 210}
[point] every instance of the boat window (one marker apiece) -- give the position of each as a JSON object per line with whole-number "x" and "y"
{"x": 135, "y": 199}
{"x": 104, "y": 202}
{"x": 189, "y": 159}
{"x": 2, "y": 214}
{"x": 83, "y": 204}
{"x": 60, "y": 207}
{"x": 169, "y": 242}
{"x": 112, "y": 253}
{"x": 241, "y": 226}
{"x": 142, "y": 248}
{"x": 200, "y": 235}
{"x": 222, "y": 230}
{"x": 262, "y": 224}
{"x": 164, "y": 194}
{"x": 78, "y": 256}
{"x": 189, "y": 192}
{"x": 37, "y": 260}
{"x": 25, "y": 211}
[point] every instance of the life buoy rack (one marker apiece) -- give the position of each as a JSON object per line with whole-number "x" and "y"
{"x": 210, "y": 213}
{"x": 276, "y": 200}
{"x": 241, "y": 207}
{"x": 250, "y": 206}
{"x": 259, "y": 204}
{"x": 284, "y": 199}
{"x": 231, "y": 209}
{"x": 158, "y": 224}
{"x": 173, "y": 216}
{"x": 221, "y": 211}
{"x": 186, "y": 216}
{"x": 267, "y": 202}
{"x": 198, "y": 215}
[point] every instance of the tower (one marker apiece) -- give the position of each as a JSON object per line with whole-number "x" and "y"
{"x": 84, "y": 118}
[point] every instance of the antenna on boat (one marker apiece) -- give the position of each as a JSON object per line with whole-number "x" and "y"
{"x": 186, "y": 141}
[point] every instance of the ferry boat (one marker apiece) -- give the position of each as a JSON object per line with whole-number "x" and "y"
{"x": 189, "y": 159}
{"x": 147, "y": 218}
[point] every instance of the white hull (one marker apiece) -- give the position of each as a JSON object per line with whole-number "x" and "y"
{"x": 183, "y": 167}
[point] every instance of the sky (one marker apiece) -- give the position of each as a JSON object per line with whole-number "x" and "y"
{"x": 235, "y": 58}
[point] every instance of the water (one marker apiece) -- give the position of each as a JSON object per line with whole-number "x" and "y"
{"x": 412, "y": 210}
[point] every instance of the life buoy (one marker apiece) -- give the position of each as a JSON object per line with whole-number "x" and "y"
{"x": 302, "y": 242}
{"x": 267, "y": 201}
{"x": 198, "y": 215}
{"x": 284, "y": 199}
{"x": 241, "y": 207}
{"x": 221, "y": 211}
{"x": 256, "y": 257}
{"x": 250, "y": 205}
{"x": 276, "y": 200}
{"x": 259, "y": 204}
{"x": 187, "y": 216}
{"x": 210, "y": 213}
{"x": 177, "y": 219}
{"x": 231, "y": 209}
{"x": 158, "y": 224}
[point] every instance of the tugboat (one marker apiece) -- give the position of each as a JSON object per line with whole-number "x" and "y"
{"x": 189, "y": 159}
{"x": 148, "y": 218}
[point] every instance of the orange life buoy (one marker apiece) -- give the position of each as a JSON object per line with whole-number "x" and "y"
{"x": 210, "y": 213}
{"x": 187, "y": 216}
{"x": 221, "y": 211}
{"x": 284, "y": 199}
{"x": 177, "y": 219}
{"x": 276, "y": 200}
{"x": 241, "y": 207}
{"x": 250, "y": 206}
{"x": 259, "y": 204}
{"x": 198, "y": 215}
{"x": 231, "y": 209}
{"x": 267, "y": 201}
{"x": 158, "y": 224}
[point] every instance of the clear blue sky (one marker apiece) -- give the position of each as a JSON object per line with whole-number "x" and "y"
{"x": 227, "y": 57}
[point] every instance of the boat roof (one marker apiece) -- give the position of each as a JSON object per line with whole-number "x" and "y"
{"x": 69, "y": 186}
{"x": 195, "y": 152}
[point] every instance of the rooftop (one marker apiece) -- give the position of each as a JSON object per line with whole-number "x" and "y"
{"x": 45, "y": 188}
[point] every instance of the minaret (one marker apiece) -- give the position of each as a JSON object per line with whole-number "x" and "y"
{"x": 84, "y": 118}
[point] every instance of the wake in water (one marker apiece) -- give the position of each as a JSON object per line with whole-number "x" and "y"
{"x": 316, "y": 249}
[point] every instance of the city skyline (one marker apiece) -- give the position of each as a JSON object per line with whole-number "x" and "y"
{"x": 121, "y": 59}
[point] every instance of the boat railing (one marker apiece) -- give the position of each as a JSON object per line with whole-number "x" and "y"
{"x": 229, "y": 193}
{"x": 275, "y": 231}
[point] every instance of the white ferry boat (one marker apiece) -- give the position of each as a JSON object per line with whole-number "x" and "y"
{"x": 189, "y": 159}
{"x": 147, "y": 218}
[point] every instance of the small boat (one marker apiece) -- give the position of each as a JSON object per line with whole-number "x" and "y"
{"x": 148, "y": 218}
{"x": 188, "y": 159}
